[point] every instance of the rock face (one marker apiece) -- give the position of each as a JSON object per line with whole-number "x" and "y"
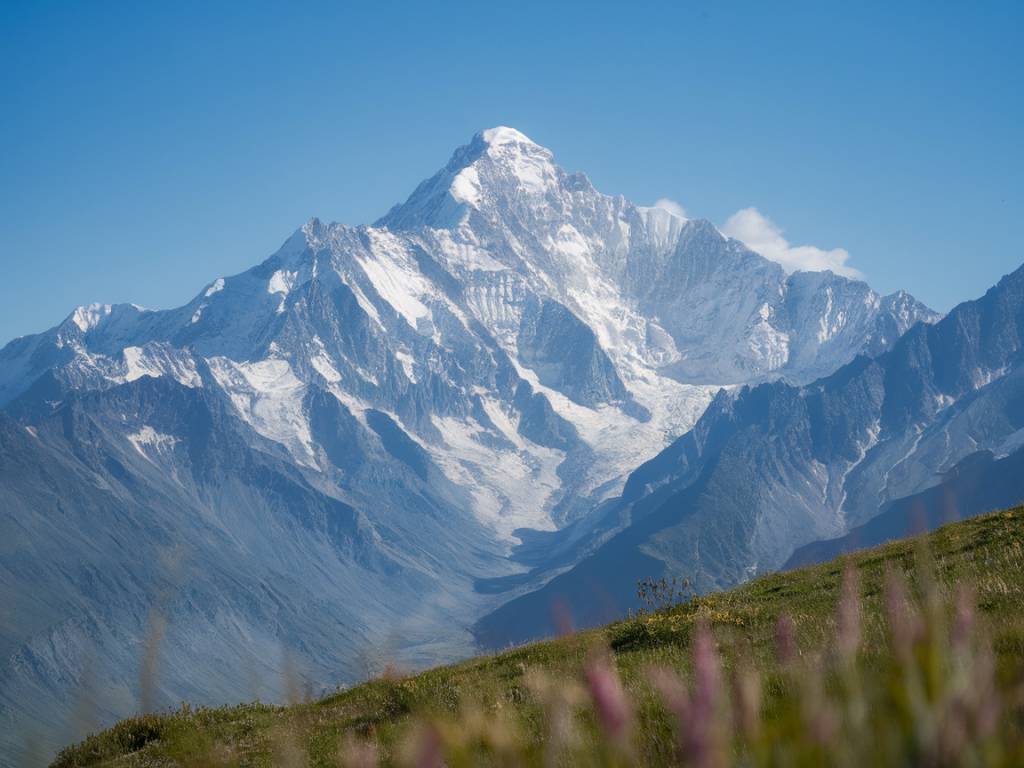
{"x": 977, "y": 484}
{"x": 928, "y": 431}
{"x": 374, "y": 410}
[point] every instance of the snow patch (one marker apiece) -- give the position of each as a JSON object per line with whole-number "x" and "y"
{"x": 321, "y": 362}
{"x": 528, "y": 163}
{"x": 502, "y": 135}
{"x": 396, "y": 278}
{"x": 767, "y": 343}
{"x": 364, "y": 303}
{"x": 269, "y": 397}
{"x": 282, "y": 282}
{"x": 664, "y": 222}
{"x": 408, "y": 364}
{"x": 89, "y": 316}
{"x": 215, "y": 287}
{"x": 828, "y": 325}
{"x": 620, "y": 442}
{"x": 157, "y": 442}
{"x": 466, "y": 187}
{"x": 158, "y": 360}
{"x": 510, "y": 488}
{"x": 465, "y": 253}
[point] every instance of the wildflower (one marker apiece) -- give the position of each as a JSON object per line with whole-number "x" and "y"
{"x": 701, "y": 731}
{"x": 425, "y": 748}
{"x": 610, "y": 701}
{"x": 824, "y": 724}
{"x": 747, "y": 701}
{"x": 848, "y": 615}
{"x": 987, "y": 700}
{"x": 904, "y": 626}
{"x": 559, "y": 699}
{"x": 963, "y": 620}
{"x": 785, "y": 640}
{"x": 705, "y": 746}
{"x": 359, "y": 753}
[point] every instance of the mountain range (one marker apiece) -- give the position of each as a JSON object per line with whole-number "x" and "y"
{"x": 777, "y": 475}
{"x": 402, "y": 441}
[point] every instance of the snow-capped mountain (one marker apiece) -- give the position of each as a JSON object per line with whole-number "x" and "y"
{"x": 612, "y": 311}
{"x": 381, "y": 409}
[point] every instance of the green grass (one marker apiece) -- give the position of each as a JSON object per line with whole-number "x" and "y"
{"x": 512, "y": 708}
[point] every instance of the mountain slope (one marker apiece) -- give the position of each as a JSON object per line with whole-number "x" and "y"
{"x": 977, "y": 484}
{"x": 205, "y": 528}
{"x": 982, "y": 553}
{"x": 774, "y": 467}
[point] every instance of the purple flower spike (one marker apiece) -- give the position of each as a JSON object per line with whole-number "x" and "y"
{"x": 785, "y": 640}
{"x": 610, "y": 702}
{"x": 702, "y": 747}
{"x": 848, "y": 618}
{"x": 963, "y": 620}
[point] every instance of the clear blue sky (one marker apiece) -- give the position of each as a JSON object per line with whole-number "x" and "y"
{"x": 147, "y": 149}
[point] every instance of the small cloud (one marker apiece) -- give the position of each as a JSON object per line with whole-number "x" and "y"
{"x": 761, "y": 234}
{"x": 672, "y": 207}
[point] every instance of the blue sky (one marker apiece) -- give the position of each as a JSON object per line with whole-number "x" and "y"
{"x": 149, "y": 149}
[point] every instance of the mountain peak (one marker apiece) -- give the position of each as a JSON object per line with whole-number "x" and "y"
{"x": 499, "y": 162}
{"x": 503, "y": 135}
{"x": 88, "y": 316}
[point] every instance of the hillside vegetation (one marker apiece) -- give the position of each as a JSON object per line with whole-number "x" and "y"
{"x": 909, "y": 653}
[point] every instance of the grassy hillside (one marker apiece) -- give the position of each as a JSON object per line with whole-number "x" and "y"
{"x": 914, "y": 655}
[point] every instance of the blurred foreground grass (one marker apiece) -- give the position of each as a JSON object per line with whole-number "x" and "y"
{"x": 907, "y": 654}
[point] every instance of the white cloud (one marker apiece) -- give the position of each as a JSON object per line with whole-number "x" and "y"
{"x": 672, "y": 207}
{"x": 761, "y": 234}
